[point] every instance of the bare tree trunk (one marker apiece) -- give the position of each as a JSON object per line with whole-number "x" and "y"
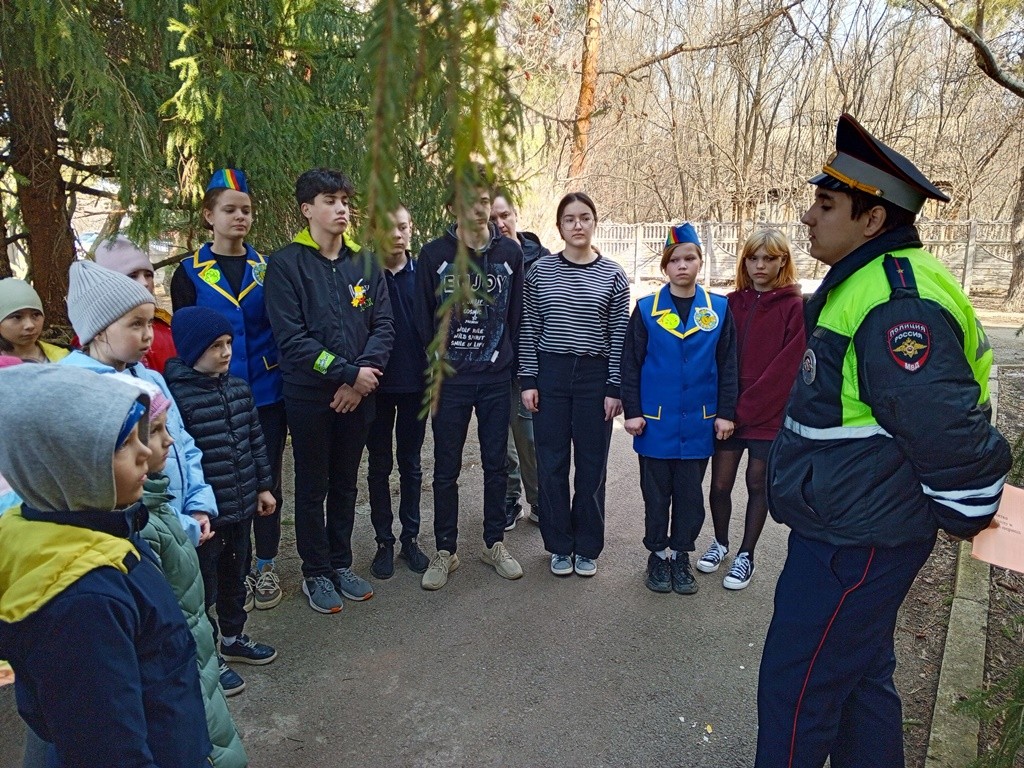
{"x": 1015, "y": 296}
{"x": 40, "y": 186}
{"x": 588, "y": 90}
{"x": 5, "y": 256}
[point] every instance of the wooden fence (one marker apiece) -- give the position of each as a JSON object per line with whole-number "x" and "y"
{"x": 978, "y": 253}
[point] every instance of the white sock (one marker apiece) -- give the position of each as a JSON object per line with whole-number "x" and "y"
{"x": 228, "y": 640}
{"x": 663, "y": 554}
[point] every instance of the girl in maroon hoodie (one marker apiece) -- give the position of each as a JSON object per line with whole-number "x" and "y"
{"x": 767, "y": 309}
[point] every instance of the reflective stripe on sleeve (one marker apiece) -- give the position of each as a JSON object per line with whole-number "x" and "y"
{"x": 976, "y": 502}
{"x": 834, "y": 433}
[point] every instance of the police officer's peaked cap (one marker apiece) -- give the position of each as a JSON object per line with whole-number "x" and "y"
{"x": 863, "y": 162}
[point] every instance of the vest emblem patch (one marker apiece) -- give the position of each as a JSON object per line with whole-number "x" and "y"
{"x": 705, "y": 318}
{"x": 670, "y": 321}
{"x": 909, "y": 344}
{"x": 259, "y": 271}
{"x": 211, "y": 275}
{"x": 809, "y": 367}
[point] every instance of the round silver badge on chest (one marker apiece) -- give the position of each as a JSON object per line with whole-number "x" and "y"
{"x": 809, "y": 367}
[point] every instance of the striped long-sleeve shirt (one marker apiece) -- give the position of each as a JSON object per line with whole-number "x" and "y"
{"x": 574, "y": 309}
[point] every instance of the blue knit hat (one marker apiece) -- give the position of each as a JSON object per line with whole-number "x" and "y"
{"x": 194, "y": 329}
{"x": 682, "y": 233}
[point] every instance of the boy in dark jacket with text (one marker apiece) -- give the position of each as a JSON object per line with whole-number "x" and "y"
{"x": 219, "y": 413}
{"x": 331, "y": 314}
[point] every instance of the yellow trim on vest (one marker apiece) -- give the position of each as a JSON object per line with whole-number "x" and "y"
{"x": 654, "y": 418}
{"x": 202, "y": 266}
{"x": 704, "y": 410}
{"x": 656, "y": 313}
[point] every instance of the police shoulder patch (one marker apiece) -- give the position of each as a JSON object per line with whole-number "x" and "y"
{"x": 909, "y": 344}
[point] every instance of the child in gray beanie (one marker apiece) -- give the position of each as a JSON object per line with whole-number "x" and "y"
{"x": 113, "y": 317}
{"x": 76, "y": 574}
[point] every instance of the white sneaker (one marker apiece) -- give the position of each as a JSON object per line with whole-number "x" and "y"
{"x": 506, "y": 565}
{"x": 713, "y": 558}
{"x": 740, "y": 573}
{"x": 436, "y": 575}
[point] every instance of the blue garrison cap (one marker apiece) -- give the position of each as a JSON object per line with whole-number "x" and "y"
{"x": 682, "y": 233}
{"x": 228, "y": 178}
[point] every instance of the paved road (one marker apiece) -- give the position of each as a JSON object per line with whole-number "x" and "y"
{"x": 541, "y": 672}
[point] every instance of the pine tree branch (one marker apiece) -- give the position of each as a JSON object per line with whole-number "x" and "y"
{"x": 97, "y": 170}
{"x": 73, "y": 187}
{"x": 983, "y": 55}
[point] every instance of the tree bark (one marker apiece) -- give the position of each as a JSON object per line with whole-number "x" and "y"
{"x": 42, "y": 196}
{"x": 1015, "y": 296}
{"x": 588, "y": 90}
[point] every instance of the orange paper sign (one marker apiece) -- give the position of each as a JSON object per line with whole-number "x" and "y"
{"x": 1004, "y": 544}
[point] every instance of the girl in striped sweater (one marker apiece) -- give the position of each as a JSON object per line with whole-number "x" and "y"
{"x": 576, "y": 312}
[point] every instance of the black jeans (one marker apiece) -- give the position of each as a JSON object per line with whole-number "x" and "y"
{"x": 398, "y": 415}
{"x": 327, "y": 447}
{"x": 267, "y": 530}
{"x": 570, "y": 425}
{"x": 450, "y": 424}
{"x": 224, "y": 564}
{"x": 674, "y": 483}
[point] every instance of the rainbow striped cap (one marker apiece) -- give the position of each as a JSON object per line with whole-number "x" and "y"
{"x": 682, "y": 233}
{"x": 228, "y": 178}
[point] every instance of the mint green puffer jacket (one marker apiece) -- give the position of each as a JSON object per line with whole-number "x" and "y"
{"x": 180, "y": 564}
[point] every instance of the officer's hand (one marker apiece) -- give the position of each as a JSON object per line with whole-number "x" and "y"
{"x": 724, "y": 428}
{"x": 531, "y": 400}
{"x": 635, "y": 427}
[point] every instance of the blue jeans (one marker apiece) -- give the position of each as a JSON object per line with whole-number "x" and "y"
{"x": 450, "y": 425}
{"x": 398, "y": 417}
{"x": 570, "y": 425}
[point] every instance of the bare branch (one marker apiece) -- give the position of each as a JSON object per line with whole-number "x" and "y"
{"x": 737, "y": 38}
{"x": 983, "y": 54}
{"x": 91, "y": 191}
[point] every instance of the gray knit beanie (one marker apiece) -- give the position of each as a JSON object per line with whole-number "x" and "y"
{"x": 98, "y": 296}
{"x": 70, "y": 419}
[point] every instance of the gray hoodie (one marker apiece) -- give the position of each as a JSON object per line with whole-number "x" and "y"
{"x": 60, "y": 426}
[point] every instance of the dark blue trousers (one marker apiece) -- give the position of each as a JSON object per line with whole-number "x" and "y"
{"x": 825, "y": 688}
{"x": 569, "y": 428}
{"x": 450, "y": 425}
{"x": 397, "y": 419}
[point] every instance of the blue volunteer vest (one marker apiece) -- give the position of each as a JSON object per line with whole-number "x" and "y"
{"x": 253, "y": 351}
{"x": 679, "y": 377}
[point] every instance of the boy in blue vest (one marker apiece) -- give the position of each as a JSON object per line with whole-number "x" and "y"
{"x": 679, "y": 389}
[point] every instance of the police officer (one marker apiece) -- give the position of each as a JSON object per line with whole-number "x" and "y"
{"x": 886, "y": 439}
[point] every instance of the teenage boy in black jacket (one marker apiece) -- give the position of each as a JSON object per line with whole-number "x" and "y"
{"x": 329, "y": 308}
{"x": 480, "y": 346}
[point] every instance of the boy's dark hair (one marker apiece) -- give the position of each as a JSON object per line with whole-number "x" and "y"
{"x": 895, "y": 217}
{"x": 477, "y": 176}
{"x": 321, "y": 181}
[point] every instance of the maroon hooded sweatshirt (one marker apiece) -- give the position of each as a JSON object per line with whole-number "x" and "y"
{"x": 770, "y": 345}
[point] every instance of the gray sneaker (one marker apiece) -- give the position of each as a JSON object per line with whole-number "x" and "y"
{"x": 321, "y": 594}
{"x": 506, "y": 565}
{"x": 561, "y": 565}
{"x": 348, "y": 584}
{"x": 436, "y": 576}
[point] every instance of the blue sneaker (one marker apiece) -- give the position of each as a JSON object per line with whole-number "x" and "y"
{"x": 561, "y": 565}
{"x": 321, "y": 594}
{"x": 348, "y": 584}
{"x": 230, "y": 681}
{"x": 585, "y": 566}
{"x": 247, "y": 651}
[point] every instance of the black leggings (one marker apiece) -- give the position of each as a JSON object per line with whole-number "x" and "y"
{"x": 724, "y": 466}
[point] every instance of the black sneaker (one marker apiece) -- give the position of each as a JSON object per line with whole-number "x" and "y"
{"x": 247, "y": 651}
{"x": 383, "y": 566}
{"x": 230, "y": 681}
{"x": 513, "y": 514}
{"x": 659, "y": 576}
{"x": 683, "y": 582}
{"x": 411, "y": 553}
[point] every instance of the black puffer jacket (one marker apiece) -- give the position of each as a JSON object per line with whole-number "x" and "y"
{"x": 220, "y": 415}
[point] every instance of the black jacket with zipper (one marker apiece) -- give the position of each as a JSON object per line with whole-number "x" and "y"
{"x": 330, "y": 318}
{"x": 220, "y": 414}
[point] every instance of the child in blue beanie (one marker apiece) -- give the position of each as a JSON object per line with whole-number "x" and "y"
{"x": 219, "y": 413}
